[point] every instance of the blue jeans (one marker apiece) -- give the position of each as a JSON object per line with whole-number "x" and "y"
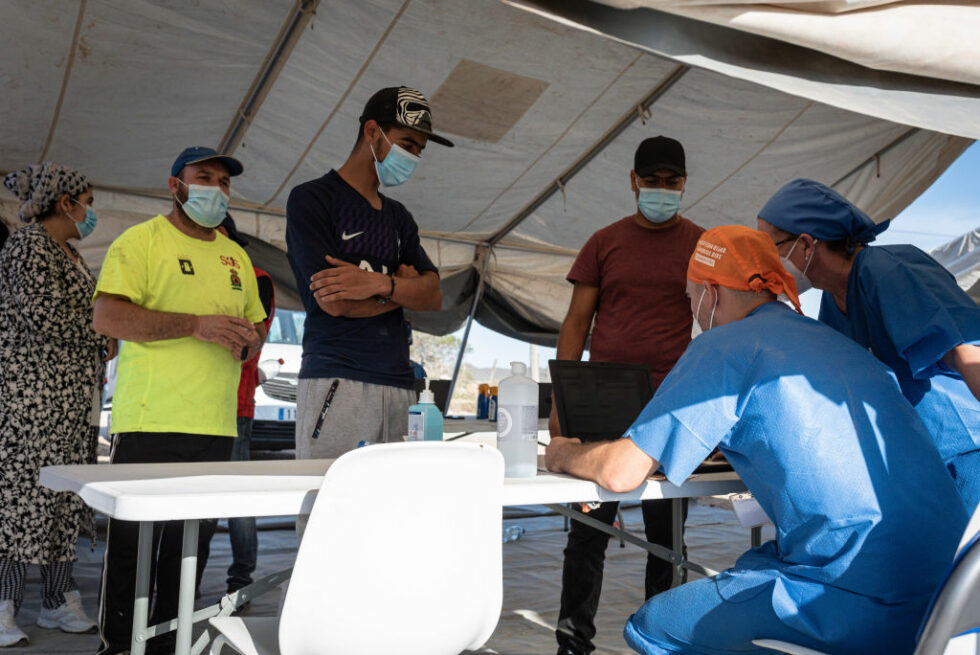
{"x": 241, "y": 531}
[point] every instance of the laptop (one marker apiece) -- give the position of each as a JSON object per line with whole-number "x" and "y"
{"x": 597, "y": 401}
{"x": 544, "y": 399}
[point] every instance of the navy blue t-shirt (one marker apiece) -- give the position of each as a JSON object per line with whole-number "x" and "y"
{"x": 327, "y": 216}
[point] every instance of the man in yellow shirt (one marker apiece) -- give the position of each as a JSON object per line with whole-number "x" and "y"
{"x": 184, "y": 300}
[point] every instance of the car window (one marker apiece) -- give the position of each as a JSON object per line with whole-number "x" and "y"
{"x": 287, "y": 327}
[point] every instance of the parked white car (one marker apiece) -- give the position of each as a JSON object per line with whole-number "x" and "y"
{"x": 275, "y": 399}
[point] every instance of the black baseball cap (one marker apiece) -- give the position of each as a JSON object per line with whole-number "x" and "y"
{"x": 229, "y": 224}
{"x": 657, "y": 153}
{"x": 402, "y": 106}
{"x": 197, "y": 154}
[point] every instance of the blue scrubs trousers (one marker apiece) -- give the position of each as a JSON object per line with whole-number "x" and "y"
{"x": 695, "y": 618}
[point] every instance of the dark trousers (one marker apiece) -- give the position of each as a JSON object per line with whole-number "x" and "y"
{"x": 242, "y": 531}
{"x": 119, "y": 570}
{"x": 585, "y": 555}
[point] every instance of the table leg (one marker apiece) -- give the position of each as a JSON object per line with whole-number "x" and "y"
{"x": 675, "y": 558}
{"x": 188, "y": 578}
{"x": 677, "y": 536}
{"x": 141, "y": 603}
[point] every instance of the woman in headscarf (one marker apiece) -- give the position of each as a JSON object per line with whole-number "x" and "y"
{"x": 898, "y": 302}
{"x": 50, "y": 391}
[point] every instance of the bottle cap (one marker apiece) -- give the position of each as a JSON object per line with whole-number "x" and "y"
{"x": 427, "y": 397}
{"x": 518, "y": 368}
{"x": 493, "y": 391}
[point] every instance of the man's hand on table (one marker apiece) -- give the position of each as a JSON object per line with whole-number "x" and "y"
{"x": 618, "y": 465}
{"x": 557, "y": 447}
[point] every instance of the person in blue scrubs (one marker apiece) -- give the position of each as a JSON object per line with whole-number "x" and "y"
{"x": 897, "y": 302}
{"x": 867, "y": 519}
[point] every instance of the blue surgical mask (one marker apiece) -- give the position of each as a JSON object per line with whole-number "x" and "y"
{"x": 205, "y": 205}
{"x": 86, "y": 227}
{"x": 659, "y": 205}
{"x": 397, "y": 165}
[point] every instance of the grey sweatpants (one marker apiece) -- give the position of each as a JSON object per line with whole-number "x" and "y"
{"x": 359, "y": 412}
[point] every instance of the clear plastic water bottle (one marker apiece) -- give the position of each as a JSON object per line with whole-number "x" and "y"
{"x": 513, "y": 533}
{"x": 517, "y": 423}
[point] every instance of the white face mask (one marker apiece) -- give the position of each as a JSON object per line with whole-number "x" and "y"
{"x": 697, "y": 313}
{"x": 802, "y": 281}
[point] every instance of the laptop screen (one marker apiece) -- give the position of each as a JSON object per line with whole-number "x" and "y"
{"x": 598, "y": 400}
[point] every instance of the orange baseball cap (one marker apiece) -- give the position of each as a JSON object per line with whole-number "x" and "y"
{"x": 743, "y": 259}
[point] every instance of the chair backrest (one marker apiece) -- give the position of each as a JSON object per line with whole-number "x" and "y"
{"x": 402, "y": 554}
{"x": 956, "y": 607}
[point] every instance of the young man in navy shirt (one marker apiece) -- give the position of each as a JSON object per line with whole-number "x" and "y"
{"x": 358, "y": 263}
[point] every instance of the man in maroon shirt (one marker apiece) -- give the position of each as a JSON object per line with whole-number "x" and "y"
{"x": 630, "y": 277}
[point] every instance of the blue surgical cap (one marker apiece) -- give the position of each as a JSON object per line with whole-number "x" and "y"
{"x": 807, "y": 207}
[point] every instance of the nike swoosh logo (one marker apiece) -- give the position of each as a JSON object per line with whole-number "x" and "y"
{"x": 348, "y": 237}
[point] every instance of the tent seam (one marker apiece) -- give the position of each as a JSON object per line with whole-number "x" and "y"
{"x": 553, "y": 144}
{"x": 754, "y": 156}
{"x": 340, "y": 103}
{"x": 65, "y": 79}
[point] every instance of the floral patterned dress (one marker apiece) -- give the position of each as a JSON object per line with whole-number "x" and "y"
{"x": 50, "y": 370}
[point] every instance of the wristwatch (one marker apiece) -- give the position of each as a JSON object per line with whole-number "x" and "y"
{"x": 385, "y": 301}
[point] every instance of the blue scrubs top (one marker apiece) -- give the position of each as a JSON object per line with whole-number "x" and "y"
{"x": 867, "y": 518}
{"x": 909, "y": 312}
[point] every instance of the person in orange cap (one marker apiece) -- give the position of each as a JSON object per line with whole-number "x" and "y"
{"x": 820, "y": 433}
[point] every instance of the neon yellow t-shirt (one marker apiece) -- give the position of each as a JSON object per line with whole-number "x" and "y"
{"x": 178, "y": 385}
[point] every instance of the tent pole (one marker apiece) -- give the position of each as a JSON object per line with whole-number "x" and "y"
{"x": 299, "y": 17}
{"x": 466, "y": 330}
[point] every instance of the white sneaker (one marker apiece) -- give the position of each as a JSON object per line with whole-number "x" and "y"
{"x": 10, "y": 634}
{"x": 67, "y": 617}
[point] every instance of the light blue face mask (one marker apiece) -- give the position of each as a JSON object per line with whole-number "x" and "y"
{"x": 86, "y": 227}
{"x": 659, "y": 205}
{"x": 397, "y": 165}
{"x": 205, "y": 205}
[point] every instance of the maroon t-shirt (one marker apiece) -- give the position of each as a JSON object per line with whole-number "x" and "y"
{"x": 643, "y": 314}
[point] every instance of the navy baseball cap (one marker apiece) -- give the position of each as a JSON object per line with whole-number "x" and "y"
{"x": 197, "y": 154}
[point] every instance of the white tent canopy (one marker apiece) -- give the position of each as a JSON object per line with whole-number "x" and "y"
{"x": 961, "y": 257}
{"x": 545, "y": 116}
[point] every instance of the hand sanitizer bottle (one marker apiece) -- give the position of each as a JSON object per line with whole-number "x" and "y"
{"x": 424, "y": 418}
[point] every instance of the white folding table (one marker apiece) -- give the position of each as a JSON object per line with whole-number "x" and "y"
{"x": 193, "y": 491}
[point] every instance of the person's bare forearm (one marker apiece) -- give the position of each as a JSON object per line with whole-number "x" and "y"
{"x": 357, "y": 308}
{"x": 965, "y": 360}
{"x": 122, "y": 319}
{"x": 571, "y": 339}
{"x": 617, "y": 465}
{"x": 422, "y": 293}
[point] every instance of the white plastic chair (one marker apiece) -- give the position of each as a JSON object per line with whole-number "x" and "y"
{"x": 402, "y": 554}
{"x": 955, "y": 610}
